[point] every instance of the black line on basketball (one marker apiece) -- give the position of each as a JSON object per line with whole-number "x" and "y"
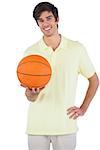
{"x": 34, "y": 74}
{"x": 33, "y": 61}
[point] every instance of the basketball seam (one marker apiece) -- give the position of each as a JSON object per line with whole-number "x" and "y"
{"x": 34, "y": 74}
{"x": 34, "y": 61}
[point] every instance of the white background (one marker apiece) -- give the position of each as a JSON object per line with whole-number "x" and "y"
{"x": 79, "y": 20}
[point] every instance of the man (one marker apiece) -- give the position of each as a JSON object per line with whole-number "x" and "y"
{"x": 52, "y": 115}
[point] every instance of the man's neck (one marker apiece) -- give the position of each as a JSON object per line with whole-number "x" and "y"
{"x": 52, "y": 41}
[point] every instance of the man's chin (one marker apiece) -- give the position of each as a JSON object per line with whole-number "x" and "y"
{"x": 47, "y": 35}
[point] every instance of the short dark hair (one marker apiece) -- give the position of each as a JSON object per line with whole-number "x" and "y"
{"x": 44, "y": 6}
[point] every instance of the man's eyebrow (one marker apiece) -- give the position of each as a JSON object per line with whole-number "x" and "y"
{"x": 50, "y": 16}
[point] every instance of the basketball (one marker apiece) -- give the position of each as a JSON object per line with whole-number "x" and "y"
{"x": 34, "y": 71}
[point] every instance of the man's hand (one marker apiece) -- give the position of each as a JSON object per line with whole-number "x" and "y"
{"x": 75, "y": 112}
{"x": 32, "y": 94}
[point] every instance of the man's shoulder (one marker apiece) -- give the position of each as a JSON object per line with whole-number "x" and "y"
{"x": 74, "y": 44}
{"x": 33, "y": 48}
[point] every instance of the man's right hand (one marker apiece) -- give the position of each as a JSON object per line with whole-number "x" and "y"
{"x": 32, "y": 94}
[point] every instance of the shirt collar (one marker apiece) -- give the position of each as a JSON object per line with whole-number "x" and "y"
{"x": 45, "y": 47}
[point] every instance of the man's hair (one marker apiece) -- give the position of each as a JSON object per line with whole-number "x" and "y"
{"x": 44, "y": 6}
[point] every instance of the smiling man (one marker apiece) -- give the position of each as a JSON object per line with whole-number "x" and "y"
{"x": 52, "y": 116}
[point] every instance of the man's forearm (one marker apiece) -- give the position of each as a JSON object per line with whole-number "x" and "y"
{"x": 93, "y": 85}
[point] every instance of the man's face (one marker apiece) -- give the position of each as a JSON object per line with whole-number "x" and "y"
{"x": 47, "y": 23}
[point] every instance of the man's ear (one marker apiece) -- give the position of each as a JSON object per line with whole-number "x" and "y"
{"x": 58, "y": 19}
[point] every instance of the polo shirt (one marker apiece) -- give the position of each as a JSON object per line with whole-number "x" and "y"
{"x": 47, "y": 115}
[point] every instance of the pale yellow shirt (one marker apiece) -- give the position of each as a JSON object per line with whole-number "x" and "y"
{"x": 47, "y": 115}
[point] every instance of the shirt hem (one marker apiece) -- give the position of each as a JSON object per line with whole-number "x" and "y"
{"x": 51, "y": 133}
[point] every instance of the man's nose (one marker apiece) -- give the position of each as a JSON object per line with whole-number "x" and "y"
{"x": 45, "y": 24}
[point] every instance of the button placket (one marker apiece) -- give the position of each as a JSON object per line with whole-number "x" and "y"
{"x": 53, "y": 61}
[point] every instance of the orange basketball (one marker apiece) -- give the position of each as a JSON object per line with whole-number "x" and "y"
{"x": 34, "y": 71}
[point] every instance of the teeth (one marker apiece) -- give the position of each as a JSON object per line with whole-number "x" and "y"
{"x": 46, "y": 29}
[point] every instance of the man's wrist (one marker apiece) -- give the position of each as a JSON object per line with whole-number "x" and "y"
{"x": 32, "y": 97}
{"x": 83, "y": 108}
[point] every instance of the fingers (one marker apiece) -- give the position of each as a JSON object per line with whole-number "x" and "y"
{"x": 74, "y": 116}
{"x": 74, "y": 112}
{"x": 35, "y": 90}
{"x": 32, "y": 90}
{"x": 71, "y": 109}
{"x": 23, "y": 85}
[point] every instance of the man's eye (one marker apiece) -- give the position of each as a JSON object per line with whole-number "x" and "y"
{"x": 49, "y": 18}
{"x": 40, "y": 20}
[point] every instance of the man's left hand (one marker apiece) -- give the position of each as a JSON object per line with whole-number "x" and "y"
{"x": 74, "y": 112}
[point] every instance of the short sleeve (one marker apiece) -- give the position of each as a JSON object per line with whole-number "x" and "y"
{"x": 86, "y": 67}
{"x": 27, "y": 52}
{"x": 32, "y": 50}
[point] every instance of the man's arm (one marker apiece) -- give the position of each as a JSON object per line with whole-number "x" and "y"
{"x": 93, "y": 85}
{"x": 75, "y": 112}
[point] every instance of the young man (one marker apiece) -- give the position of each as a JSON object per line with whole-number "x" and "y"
{"x": 52, "y": 115}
